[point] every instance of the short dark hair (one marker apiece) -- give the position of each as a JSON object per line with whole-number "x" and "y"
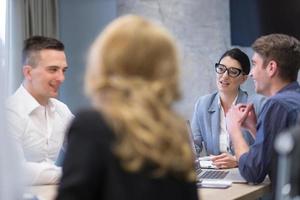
{"x": 35, "y": 44}
{"x": 240, "y": 56}
{"x": 284, "y": 50}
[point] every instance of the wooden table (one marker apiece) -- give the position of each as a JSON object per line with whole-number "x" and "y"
{"x": 236, "y": 191}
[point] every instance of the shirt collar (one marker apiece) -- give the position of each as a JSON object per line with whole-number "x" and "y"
{"x": 291, "y": 86}
{"x": 233, "y": 103}
{"x": 31, "y": 103}
{"x": 51, "y": 105}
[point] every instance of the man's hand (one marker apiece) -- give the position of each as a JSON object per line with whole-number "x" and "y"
{"x": 250, "y": 122}
{"x": 224, "y": 161}
{"x": 235, "y": 117}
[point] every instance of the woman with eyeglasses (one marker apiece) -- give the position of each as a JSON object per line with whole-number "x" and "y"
{"x": 209, "y": 124}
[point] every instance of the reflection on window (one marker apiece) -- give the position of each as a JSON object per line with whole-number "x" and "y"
{"x": 2, "y": 19}
{"x": 2, "y": 30}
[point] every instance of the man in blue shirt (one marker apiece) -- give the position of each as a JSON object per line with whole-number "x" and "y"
{"x": 276, "y": 62}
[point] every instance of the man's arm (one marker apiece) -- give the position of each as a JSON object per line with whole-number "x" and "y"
{"x": 249, "y": 159}
{"x": 36, "y": 173}
{"x": 236, "y": 116}
{"x": 41, "y": 173}
{"x": 239, "y": 144}
{"x": 255, "y": 163}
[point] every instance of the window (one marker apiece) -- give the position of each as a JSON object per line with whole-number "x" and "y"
{"x": 2, "y": 19}
{"x": 2, "y": 46}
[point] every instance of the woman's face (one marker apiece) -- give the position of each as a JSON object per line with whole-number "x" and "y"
{"x": 227, "y": 83}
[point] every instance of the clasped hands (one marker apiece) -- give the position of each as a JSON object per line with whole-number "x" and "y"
{"x": 241, "y": 116}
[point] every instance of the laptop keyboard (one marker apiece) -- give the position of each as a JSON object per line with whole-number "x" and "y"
{"x": 213, "y": 174}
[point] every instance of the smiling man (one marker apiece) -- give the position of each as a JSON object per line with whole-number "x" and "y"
{"x": 275, "y": 66}
{"x": 37, "y": 121}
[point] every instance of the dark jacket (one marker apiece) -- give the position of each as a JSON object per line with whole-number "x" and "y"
{"x": 92, "y": 171}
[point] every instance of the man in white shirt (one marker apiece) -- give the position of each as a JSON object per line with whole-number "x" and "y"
{"x": 38, "y": 121}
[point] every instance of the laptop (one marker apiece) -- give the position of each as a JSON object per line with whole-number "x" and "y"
{"x": 233, "y": 175}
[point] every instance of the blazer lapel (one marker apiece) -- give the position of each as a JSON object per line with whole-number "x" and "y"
{"x": 242, "y": 97}
{"x": 214, "y": 111}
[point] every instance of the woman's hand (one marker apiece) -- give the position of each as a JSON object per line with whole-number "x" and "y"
{"x": 224, "y": 161}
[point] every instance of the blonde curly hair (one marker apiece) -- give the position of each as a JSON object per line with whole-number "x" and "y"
{"x": 132, "y": 79}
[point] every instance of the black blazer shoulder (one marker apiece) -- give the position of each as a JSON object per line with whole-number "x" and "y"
{"x": 92, "y": 171}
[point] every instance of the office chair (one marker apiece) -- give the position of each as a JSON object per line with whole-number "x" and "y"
{"x": 287, "y": 146}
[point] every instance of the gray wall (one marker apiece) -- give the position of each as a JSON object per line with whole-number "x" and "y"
{"x": 202, "y": 29}
{"x": 80, "y": 22}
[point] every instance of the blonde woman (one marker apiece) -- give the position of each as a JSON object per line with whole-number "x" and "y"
{"x": 132, "y": 145}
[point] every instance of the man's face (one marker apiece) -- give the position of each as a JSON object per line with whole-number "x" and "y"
{"x": 259, "y": 75}
{"x": 45, "y": 79}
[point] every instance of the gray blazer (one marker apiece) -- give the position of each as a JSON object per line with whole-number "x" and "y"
{"x": 206, "y": 120}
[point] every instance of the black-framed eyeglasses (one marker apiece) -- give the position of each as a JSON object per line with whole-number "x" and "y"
{"x": 232, "y": 71}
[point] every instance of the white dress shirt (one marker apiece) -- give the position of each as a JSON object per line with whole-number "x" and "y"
{"x": 224, "y": 138}
{"x": 39, "y": 133}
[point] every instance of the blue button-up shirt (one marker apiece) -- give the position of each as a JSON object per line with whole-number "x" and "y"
{"x": 280, "y": 112}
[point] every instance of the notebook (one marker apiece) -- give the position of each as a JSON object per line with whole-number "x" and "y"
{"x": 231, "y": 175}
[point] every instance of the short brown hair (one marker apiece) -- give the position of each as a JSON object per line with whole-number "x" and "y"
{"x": 37, "y": 43}
{"x": 284, "y": 50}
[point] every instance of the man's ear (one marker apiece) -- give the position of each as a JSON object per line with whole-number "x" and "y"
{"x": 27, "y": 69}
{"x": 272, "y": 68}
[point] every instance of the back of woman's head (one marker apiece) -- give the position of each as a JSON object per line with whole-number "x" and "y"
{"x": 132, "y": 78}
{"x": 239, "y": 56}
{"x": 135, "y": 50}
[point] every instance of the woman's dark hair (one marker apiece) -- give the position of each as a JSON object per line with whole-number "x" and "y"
{"x": 240, "y": 56}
